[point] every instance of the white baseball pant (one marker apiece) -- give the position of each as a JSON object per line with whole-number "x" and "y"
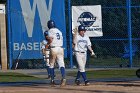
{"x": 81, "y": 60}
{"x": 57, "y": 54}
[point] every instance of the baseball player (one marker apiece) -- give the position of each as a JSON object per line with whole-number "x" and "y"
{"x": 56, "y": 51}
{"x": 46, "y": 52}
{"x": 81, "y": 44}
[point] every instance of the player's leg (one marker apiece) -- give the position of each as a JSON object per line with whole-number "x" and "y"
{"x": 78, "y": 57}
{"x": 81, "y": 60}
{"x": 77, "y": 80}
{"x": 47, "y": 62}
{"x": 78, "y": 75}
{"x": 62, "y": 68}
{"x": 52, "y": 75}
{"x": 60, "y": 60}
{"x": 52, "y": 62}
{"x": 83, "y": 73}
{"x": 63, "y": 80}
{"x": 85, "y": 78}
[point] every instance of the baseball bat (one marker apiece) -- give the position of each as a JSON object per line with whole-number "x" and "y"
{"x": 18, "y": 59}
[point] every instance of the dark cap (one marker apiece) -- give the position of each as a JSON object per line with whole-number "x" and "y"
{"x": 81, "y": 28}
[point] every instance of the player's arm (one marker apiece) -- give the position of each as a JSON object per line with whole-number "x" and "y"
{"x": 92, "y": 52}
{"x": 49, "y": 40}
{"x": 90, "y": 48}
{"x": 74, "y": 40}
{"x": 73, "y": 44}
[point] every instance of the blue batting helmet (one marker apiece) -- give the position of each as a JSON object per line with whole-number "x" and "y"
{"x": 81, "y": 28}
{"x": 45, "y": 33}
{"x": 51, "y": 24}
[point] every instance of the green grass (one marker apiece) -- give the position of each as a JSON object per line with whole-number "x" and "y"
{"x": 97, "y": 74}
{"x": 16, "y": 77}
{"x": 91, "y": 74}
{"x": 112, "y": 74}
{"x": 111, "y": 61}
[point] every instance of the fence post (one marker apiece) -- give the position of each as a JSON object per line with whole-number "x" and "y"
{"x": 129, "y": 30}
{"x": 70, "y": 33}
{"x": 9, "y": 35}
{"x": 3, "y": 44}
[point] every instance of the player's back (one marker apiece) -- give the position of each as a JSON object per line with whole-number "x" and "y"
{"x": 56, "y": 34}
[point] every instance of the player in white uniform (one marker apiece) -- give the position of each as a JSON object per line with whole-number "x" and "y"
{"x": 56, "y": 51}
{"x": 46, "y": 53}
{"x": 81, "y": 44}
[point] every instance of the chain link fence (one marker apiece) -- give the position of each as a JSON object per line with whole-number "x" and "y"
{"x": 112, "y": 49}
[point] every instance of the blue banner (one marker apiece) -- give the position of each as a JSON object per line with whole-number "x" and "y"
{"x": 28, "y": 21}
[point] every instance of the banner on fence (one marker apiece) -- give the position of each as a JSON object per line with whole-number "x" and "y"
{"x": 2, "y": 9}
{"x": 90, "y": 17}
{"x": 28, "y": 21}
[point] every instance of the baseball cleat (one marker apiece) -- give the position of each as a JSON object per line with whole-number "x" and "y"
{"x": 63, "y": 82}
{"x": 52, "y": 83}
{"x": 77, "y": 82}
{"x": 48, "y": 77}
{"x": 87, "y": 83}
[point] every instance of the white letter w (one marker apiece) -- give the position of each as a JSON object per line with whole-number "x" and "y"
{"x": 29, "y": 13}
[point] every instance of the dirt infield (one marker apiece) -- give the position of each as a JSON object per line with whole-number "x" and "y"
{"x": 95, "y": 87}
{"x": 131, "y": 85}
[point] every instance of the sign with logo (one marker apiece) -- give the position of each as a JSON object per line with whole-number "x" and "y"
{"x": 28, "y": 21}
{"x": 88, "y": 16}
{"x": 2, "y": 9}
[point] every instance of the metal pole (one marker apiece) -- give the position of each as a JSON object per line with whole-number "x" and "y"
{"x": 70, "y": 33}
{"x": 9, "y": 35}
{"x": 129, "y": 30}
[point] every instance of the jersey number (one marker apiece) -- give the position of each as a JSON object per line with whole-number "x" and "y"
{"x": 58, "y": 36}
